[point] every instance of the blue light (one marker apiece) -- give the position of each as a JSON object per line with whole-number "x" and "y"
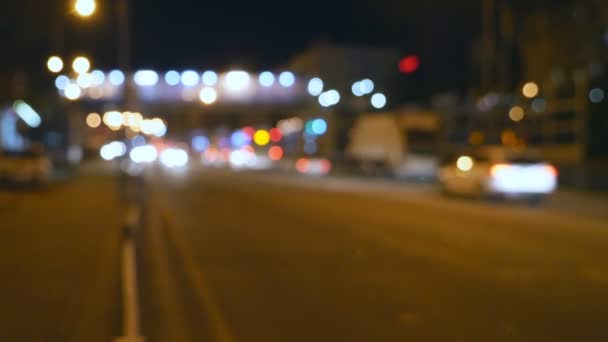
{"x": 287, "y": 79}
{"x": 145, "y": 78}
{"x": 172, "y": 78}
{"x": 239, "y": 139}
{"x": 315, "y": 86}
{"x": 378, "y": 100}
{"x": 308, "y": 129}
{"x": 138, "y": 140}
{"x": 266, "y": 79}
{"x": 200, "y": 143}
{"x": 61, "y": 82}
{"x": 98, "y": 77}
{"x": 190, "y": 78}
{"x": 318, "y": 126}
{"x": 116, "y": 77}
{"x": 209, "y": 78}
{"x": 366, "y": 86}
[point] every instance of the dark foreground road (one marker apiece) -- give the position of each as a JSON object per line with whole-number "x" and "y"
{"x": 241, "y": 257}
{"x": 60, "y": 262}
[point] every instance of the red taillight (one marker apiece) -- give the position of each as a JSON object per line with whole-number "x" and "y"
{"x": 552, "y": 170}
{"x": 302, "y": 165}
{"x": 498, "y": 168}
{"x": 325, "y": 166}
{"x": 275, "y": 153}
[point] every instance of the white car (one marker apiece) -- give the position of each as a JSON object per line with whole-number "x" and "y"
{"x": 480, "y": 176}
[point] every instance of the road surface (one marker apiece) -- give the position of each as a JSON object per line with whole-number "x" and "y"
{"x": 60, "y": 262}
{"x": 249, "y": 257}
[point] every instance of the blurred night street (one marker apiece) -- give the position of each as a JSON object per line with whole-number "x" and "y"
{"x": 286, "y": 171}
{"x": 254, "y": 257}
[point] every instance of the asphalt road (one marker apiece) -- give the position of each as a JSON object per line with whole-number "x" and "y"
{"x": 60, "y": 262}
{"x": 248, "y": 257}
{"x": 225, "y": 256}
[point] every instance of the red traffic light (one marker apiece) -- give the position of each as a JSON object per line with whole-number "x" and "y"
{"x": 409, "y": 64}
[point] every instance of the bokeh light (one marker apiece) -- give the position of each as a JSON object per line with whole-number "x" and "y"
{"x": 378, "y": 100}
{"x": 200, "y": 143}
{"x": 597, "y": 95}
{"x": 93, "y": 120}
{"x": 61, "y": 82}
{"x": 172, "y": 78}
{"x": 464, "y": 163}
{"x": 275, "y": 153}
{"x": 98, "y": 77}
{"x": 81, "y": 65}
{"x": 239, "y": 139}
{"x": 261, "y": 137}
{"x": 275, "y": 135}
{"x": 113, "y": 119}
{"x": 209, "y": 78}
{"x": 237, "y": 80}
{"x": 266, "y": 79}
{"x": 116, "y": 77}
{"x": 190, "y": 78}
{"x": 54, "y": 64}
{"x": 530, "y": 90}
{"x": 318, "y": 126}
{"x": 366, "y": 86}
{"x": 85, "y": 8}
{"x": 84, "y": 80}
{"x": 72, "y": 91}
{"x": 356, "y": 89}
{"x": 208, "y": 95}
{"x": 145, "y": 78}
{"x": 517, "y": 113}
{"x": 287, "y": 79}
{"x": 315, "y": 86}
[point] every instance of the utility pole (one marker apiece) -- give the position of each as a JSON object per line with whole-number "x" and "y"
{"x": 488, "y": 43}
{"x": 124, "y": 53}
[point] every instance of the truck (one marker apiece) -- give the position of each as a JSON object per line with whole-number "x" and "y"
{"x": 403, "y": 144}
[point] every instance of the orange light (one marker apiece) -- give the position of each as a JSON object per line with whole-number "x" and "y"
{"x": 302, "y": 165}
{"x": 211, "y": 154}
{"x": 496, "y": 169}
{"x": 552, "y": 170}
{"x": 275, "y": 153}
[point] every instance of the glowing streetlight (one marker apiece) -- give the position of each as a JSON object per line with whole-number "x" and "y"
{"x": 54, "y": 64}
{"x": 530, "y": 90}
{"x": 72, "y": 91}
{"x": 85, "y": 8}
{"x": 81, "y": 65}
{"x": 93, "y": 120}
{"x": 517, "y": 113}
{"x": 208, "y": 95}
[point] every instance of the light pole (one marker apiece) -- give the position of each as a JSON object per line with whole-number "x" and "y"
{"x": 85, "y": 9}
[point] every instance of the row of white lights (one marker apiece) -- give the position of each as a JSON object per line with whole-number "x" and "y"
{"x": 234, "y": 81}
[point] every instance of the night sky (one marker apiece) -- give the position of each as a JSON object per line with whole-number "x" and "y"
{"x": 248, "y": 34}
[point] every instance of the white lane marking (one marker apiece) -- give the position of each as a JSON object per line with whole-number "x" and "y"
{"x": 130, "y": 294}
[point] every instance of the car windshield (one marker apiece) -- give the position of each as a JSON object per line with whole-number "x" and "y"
{"x": 319, "y": 170}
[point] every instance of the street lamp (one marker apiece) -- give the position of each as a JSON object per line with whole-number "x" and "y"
{"x": 54, "y": 64}
{"x": 81, "y": 65}
{"x": 85, "y": 8}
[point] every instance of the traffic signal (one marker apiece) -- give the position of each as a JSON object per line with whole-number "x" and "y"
{"x": 409, "y": 64}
